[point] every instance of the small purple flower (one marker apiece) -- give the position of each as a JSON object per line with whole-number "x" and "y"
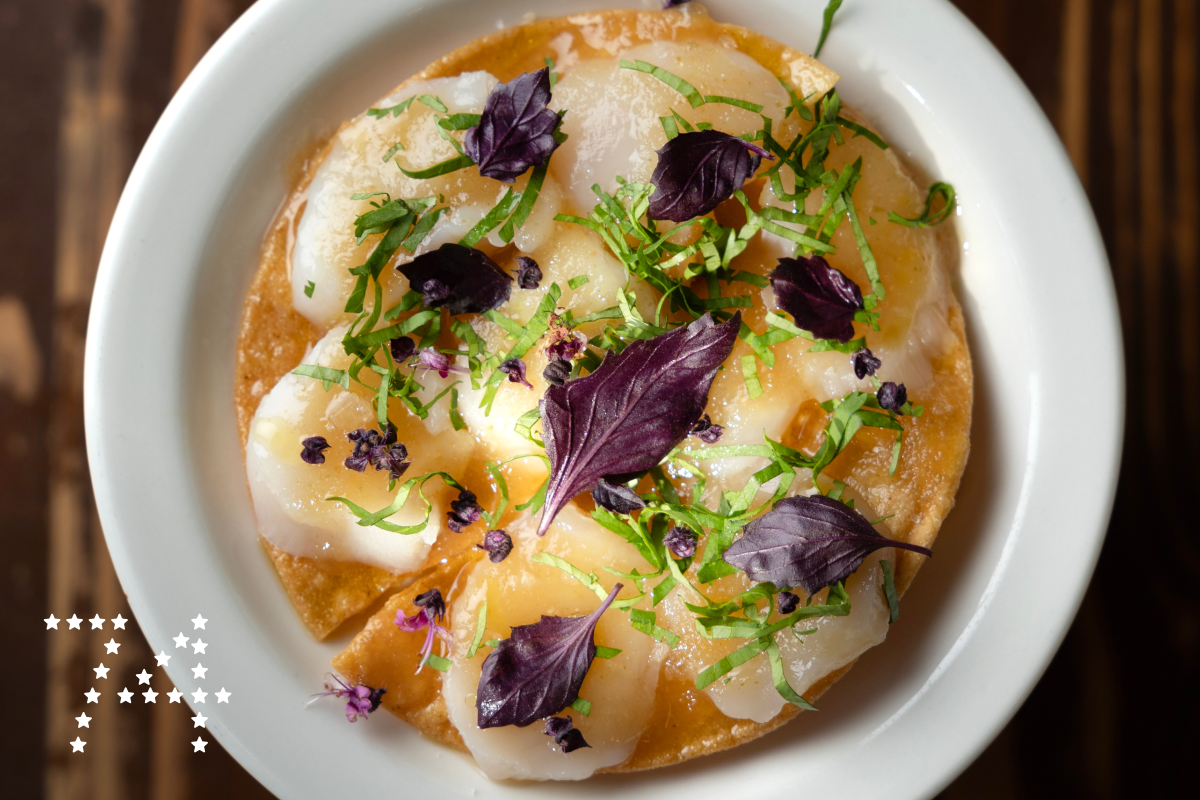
{"x": 433, "y": 602}
{"x": 430, "y": 358}
{"x": 362, "y": 700}
{"x": 464, "y": 511}
{"x": 497, "y": 544}
{"x": 681, "y": 542}
{"x": 313, "y": 452}
{"x": 704, "y": 430}
{"x": 514, "y": 368}
{"x": 892, "y": 396}
{"x": 393, "y": 459}
{"x": 529, "y": 274}
{"x": 570, "y": 345}
{"x": 364, "y": 442}
{"x": 557, "y": 372}
{"x": 430, "y": 608}
{"x": 380, "y": 451}
{"x": 565, "y": 734}
{"x": 403, "y": 348}
{"x": 865, "y": 363}
{"x": 434, "y": 291}
{"x": 786, "y": 602}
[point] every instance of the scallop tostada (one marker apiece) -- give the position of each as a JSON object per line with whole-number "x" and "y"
{"x": 607, "y": 381}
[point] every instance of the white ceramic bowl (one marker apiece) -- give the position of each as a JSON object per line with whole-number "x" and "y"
{"x": 978, "y": 627}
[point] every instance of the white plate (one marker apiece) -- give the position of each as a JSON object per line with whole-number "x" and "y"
{"x": 980, "y": 624}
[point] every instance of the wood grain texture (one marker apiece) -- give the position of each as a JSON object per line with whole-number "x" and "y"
{"x": 81, "y": 84}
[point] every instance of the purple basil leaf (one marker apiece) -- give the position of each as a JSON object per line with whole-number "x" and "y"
{"x": 697, "y": 171}
{"x": 497, "y": 544}
{"x": 626, "y": 416}
{"x": 810, "y": 542}
{"x": 473, "y": 283}
{"x": 516, "y": 130}
{"x": 538, "y": 669}
{"x": 529, "y": 274}
{"x": 313, "y": 451}
{"x": 892, "y": 396}
{"x": 616, "y": 498}
{"x": 865, "y": 363}
{"x": 820, "y": 298}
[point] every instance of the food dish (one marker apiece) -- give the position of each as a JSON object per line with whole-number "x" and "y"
{"x": 141, "y": 582}
{"x": 781, "y": 221}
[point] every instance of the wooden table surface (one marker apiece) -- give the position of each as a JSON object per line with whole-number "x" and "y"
{"x": 81, "y": 85}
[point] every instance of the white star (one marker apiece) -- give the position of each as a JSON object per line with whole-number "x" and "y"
{"x": 162, "y": 658}
{"x": 143, "y": 677}
{"x": 175, "y": 694}
{"x": 223, "y": 696}
{"x": 180, "y": 640}
{"x": 199, "y": 720}
{"x": 96, "y": 622}
{"x": 198, "y": 745}
{"x": 119, "y": 622}
{"x": 77, "y": 745}
{"x": 199, "y": 695}
{"x": 126, "y": 696}
{"x": 83, "y": 720}
{"x": 101, "y": 671}
{"x": 199, "y": 670}
{"x": 112, "y": 645}
{"x": 198, "y": 647}
{"x": 93, "y": 696}
{"x": 73, "y": 623}
{"x": 51, "y": 622}
{"x": 149, "y": 694}
{"x": 199, "y": 622}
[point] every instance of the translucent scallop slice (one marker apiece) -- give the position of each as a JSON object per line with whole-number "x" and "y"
{"x": 517, "y": 591}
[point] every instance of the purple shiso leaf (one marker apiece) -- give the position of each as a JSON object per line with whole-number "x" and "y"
{"x": 699, "y": 170}
{"x": 514, "y": 368}
{"x": 497, "y": 544}
{"x": 529, "y": 274}
{"x": 892, "y": 396}
{"x": 820, "y": 298}
{"x": 516, "y": 130}
{"x": 538, "y": 669}
{"x": 680, "y": 541}
{"x": 865, "y": 363}
{"x": 557, "y": 372}
{"x": 626, "y": 416}
{"x": 616, "y": 498}
{"x": 471, "y": 281}
{"x": 314, "y": 450}
{"x": 810, "y": 542}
